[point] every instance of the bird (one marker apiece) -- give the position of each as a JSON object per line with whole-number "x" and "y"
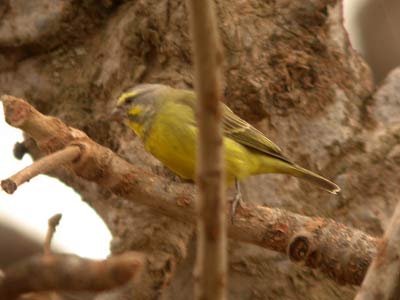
{"x": 164, "y": 119}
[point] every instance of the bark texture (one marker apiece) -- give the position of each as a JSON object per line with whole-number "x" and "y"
{"x": 290, "y": 70}
{"x": 341, "y": 252}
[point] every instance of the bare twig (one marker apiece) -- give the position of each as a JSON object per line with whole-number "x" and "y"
{"x": 52, "y": 224}
{"x": 382, "y": 279}
{"x": 41, "y": 166}
{"x": 211, "y": 260}
{"x": 69, "y": 273}
{"x": 339, "y": 251}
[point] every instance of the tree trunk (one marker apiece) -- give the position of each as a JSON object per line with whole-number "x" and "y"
{"x": 289, "y": 70}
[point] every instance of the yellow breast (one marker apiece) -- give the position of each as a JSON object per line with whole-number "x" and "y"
{"x": 172, "y": 139}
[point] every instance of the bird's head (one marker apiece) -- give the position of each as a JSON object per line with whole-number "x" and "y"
{"x": 138, "y": 105}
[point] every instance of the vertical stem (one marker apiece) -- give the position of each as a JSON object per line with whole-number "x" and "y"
{"x": 211, "y": 241}
{"x": 382, "y": 278}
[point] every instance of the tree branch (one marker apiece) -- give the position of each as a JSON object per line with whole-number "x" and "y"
{"x": 341, "y": 252}
{"x": 211, "y": 255}
{"x": 68, "y": 273}
{"x": 382, "y": 279}
{"x": 41, "y": 166}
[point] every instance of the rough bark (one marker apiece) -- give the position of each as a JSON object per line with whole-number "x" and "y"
{"x": 341, "y": 252}
{"x": 290, "y": 70}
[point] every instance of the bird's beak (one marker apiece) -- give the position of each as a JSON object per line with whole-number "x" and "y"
{"x": 118, "y": 114}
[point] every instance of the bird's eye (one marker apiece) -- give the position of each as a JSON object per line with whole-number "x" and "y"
{"x": 129, "y": 100}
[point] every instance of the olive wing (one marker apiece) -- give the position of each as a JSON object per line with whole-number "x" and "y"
{"x": 242, "y": 132}
{"x": 239, "y": 130}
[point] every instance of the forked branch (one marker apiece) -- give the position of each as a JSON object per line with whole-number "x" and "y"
{"x": 339, "y": 251}
{"x": 41, "y": 166}
{"x": 68, "y": 273}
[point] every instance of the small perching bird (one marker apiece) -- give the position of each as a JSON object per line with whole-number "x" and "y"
{"x": 164, "y": 119}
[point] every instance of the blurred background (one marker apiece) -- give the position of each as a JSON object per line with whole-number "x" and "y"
{"x": 372, "y": 26}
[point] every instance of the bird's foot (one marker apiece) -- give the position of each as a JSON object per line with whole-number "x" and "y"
{"x": 237, "y": 200}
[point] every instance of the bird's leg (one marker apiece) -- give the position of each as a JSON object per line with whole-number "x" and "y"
{"x": 237, "y": 200}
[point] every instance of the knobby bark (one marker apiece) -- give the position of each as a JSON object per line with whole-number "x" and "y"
{"x": 211, "y": 264}
{"x": 341, "y": 252}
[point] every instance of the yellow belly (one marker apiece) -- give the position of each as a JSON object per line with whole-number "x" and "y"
{"x": 172, "y": 141}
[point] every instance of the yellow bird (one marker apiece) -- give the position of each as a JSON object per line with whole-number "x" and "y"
{"x": 164, "y": 119}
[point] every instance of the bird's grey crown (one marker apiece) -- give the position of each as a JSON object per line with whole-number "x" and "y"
{"x": 145, "y": 88}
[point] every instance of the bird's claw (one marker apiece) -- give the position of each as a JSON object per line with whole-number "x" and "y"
{"x": 237, "y": 200}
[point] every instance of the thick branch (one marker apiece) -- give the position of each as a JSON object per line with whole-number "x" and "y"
{"x": 382, "y": 279}
{"x": 211, "y": 260}
{"x": 339, "y": 251}
{"x": 69, "y": 273}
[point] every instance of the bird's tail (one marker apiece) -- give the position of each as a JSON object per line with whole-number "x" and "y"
{"x": 320, "y": 181}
